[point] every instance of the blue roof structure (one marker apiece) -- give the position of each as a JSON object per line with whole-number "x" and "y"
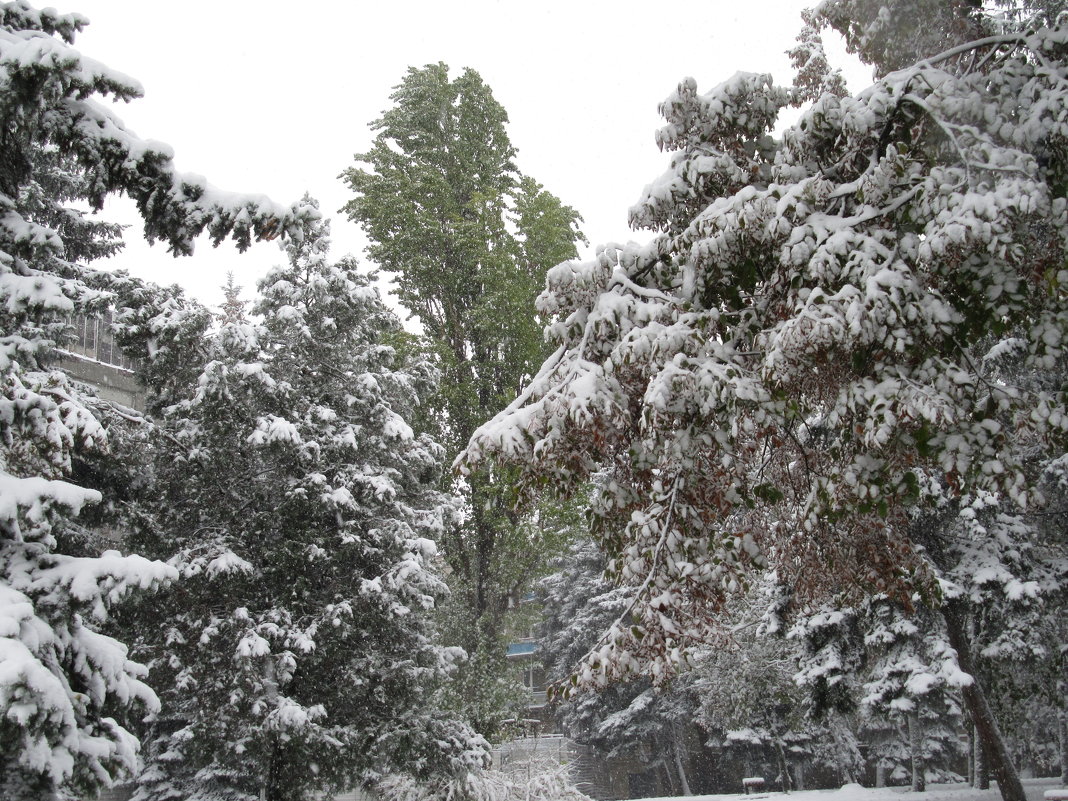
{"x": 521, "y": 648}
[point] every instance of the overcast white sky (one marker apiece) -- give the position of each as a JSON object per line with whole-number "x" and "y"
{"x": 276, "y": 97}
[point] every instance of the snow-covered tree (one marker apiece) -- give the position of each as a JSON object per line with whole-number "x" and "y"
{"x": 795, "y": 361}
{"x": 300, "y": 509}
{"x": 887, "y": 673}
{"x": 233, "y": 308}
{"x": 1007, "y": 583}
{"x": 67, "y": 692}
{"x": 577, "y": 603}
{"x": 750, "y": 706}
{"x": 912, "y": 675}
{"x": 654, "y": 726}
{"x": 782, "y": 697}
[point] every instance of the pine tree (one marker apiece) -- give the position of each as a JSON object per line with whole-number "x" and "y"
{"x": 912, "y": 673}
{"x": 795, "y": 362}
{"x": 1006, "y": 590}
{"x": 233, "y": 308}
{"x": 299, "y": 506}
{"x": 67, "y": 691}
{"x": 468, "y": 240}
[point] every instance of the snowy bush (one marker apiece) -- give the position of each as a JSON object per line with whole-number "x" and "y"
{"x": 539, "y": 779}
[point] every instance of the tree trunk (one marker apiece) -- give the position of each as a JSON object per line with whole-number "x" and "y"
{"x": 785, "y": 769}
{"x": 981, "y": 771}
{"x": 684, "y": 783}
{"x": 973, "y": 744}
{"x": 919, "y": 769}
{"x": 986, "y": 726}
{"x": 670, "y": 778}
{"x": 1062, "y": 733}
{"x": 270, "y": 685}
{"x": 970, "y": 778}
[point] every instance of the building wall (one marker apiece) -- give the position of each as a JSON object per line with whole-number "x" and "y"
{"x": 111, "y": 383}
{"x": 93, "y": 358}
{"x": 94, "y": 341}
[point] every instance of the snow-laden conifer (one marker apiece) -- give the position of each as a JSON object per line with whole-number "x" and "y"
{"x": 299, "y": 507}
{"x": 66, "y": 690}
{"x": 913, "y": 680}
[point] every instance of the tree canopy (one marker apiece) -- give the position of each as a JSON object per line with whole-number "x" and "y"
{"x": 815, "y": 346}
{"x": 469, "y": 240}
{"x": 826, "y": 399}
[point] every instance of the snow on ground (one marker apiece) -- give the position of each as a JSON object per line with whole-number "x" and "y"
{"x": 854, "y": 792}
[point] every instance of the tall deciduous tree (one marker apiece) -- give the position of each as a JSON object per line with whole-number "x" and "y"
{"x": 67, "y": 692}
{"x": 469, "y": 241}
{"x": 795, "y": 363}
{"x": 301, "y": 510}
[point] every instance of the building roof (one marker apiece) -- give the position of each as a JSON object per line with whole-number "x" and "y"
{"x": 522, "y": 648}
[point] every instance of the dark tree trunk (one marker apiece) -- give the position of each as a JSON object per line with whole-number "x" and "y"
{"x": 981, "y": 777}
{"x": 972, "y": 745}
{"x": 684, "y": 782}
{"x": 986, "y": 726}
{"x": 1062, "y": 733}
{"x": 919, "y": 769}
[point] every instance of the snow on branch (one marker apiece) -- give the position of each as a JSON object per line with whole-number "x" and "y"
{"x": 800, "y": 346}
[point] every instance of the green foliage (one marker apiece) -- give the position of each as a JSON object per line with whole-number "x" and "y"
{"x": 438, "y": 199}
{"x": 469, "y": 241}
{"x": 233, "y": 308}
